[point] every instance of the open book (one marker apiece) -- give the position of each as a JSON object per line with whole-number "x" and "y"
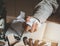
{"x": 49, "y": 31}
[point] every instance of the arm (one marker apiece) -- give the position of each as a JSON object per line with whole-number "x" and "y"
{"x": 34, "y": 27}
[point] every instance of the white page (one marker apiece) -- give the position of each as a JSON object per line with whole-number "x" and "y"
{"x": 52, "y": 32}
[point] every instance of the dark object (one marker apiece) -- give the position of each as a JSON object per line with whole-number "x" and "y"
{"x": 25, "y": 40}
{"x": 16, "y": 37}
{"x": 2, "y": 16}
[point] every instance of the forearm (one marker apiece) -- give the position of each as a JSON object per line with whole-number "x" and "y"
{"x": 34, "y": 27}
